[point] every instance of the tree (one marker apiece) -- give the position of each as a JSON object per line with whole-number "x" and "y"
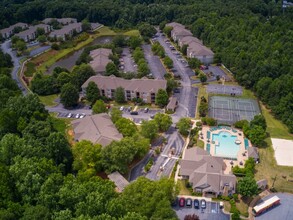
{"x": 87, "y": 157}
{"x": 36, "y": 212}
{"x": 120, "y": 95}
{"x": 149, "y": 129}
{"x": 81, "y": 74}
{"x": 92, "y": 92}
{"x": 86, "y": 25}
{"x": 119, "y": 40}
{"x": 111, "y": 69}
{"x": 20, "y": 46}
{"x": 256, "y": 135}
{"x": 163, "y": 121}
{"x": 146, "y": 30}
{"x": 168, "y": 62}
{"x": 167, "y": 30}
{"x": 42, "y": 39}
{"x": 194, "y": 63}
{"x": 203, "y": 109}
{"x": 69, "y": 95}
{"x": 63, "y": 78}
{"x": 126, "y": 127}
{"x": 259, "y": 120}
{"x": 116, "y": 114}
{"x": 171, "y": 85}
{"x": 184, "y": 125}
{"x": 247, "y": 187}
{"x": 143, "y": 69}
{"x": 240, "y": 124}
{"x": 134, "y": 42}
{"x": 184, "y": 51}
{"x": 202, "y": 77}
{"x": 40, "y": 31}
{"x": 99, "y": 107}
{"x": 162, "y": 98}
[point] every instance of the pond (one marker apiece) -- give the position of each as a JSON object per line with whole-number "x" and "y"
{"x": 69, "y": 61}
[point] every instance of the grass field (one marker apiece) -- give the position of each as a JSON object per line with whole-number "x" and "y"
{"x": 200, "y": 144}
{"x": 132, "y": 33}
{"x": 275, "y": 128}
{"x": 183, "y": 189}
{"x": 49, "y": 100}
{"x": 30, "y": 69}
{"x": 201, "y": 92}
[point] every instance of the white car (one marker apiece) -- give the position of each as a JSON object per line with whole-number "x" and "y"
{"x": 69, "y": 115}
{"x": 82, "y": 115}
{"x": 121, "y": 108}
{"x": 77, "y": 116}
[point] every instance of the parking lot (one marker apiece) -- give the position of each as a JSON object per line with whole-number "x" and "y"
{"x": 142, "y": 115}
{"x": 217, "y": 71}
{"x": 211, "y": 212}
{"x": 71, "y": 115}
{"x": 156, "y": 67}
{"x": 127, "y": 63}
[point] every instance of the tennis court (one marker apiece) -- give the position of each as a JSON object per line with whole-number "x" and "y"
{"x": 224, "y": 89}
{"x": 229, "y": 110}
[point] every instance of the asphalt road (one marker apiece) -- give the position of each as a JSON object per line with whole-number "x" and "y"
{"x": 165, "y": 160}
{"x": 156, "y": 67}
{"x": 16, "y": 64}
{"x": 187, "y": 97}
{"x": 16, "y": 61}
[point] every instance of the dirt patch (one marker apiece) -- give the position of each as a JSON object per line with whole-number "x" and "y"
{"x": 44, "y": 57}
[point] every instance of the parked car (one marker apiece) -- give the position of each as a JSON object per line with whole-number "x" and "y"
{"x": 203, "y": 204}
{"x": 121, "y": 108}
{"x": 196, "y": 204}
{"x": 181, "y": 202}
{"x": 189, "y": 202}
{"x": 82, "y": 115}
{"x": 69, "y": 115}
{"x": 176, "y": 90}
{"x": 175, "y": 202}
{"x": 221, "y": 205}
{"x": 152, "y": 116}
{"x": 203, "y": 67}
{"x": 129, "y": 108}
{"x": 77, "y": 116}
{"x": 146, "y": 110}
{"x": 134, "y": 113}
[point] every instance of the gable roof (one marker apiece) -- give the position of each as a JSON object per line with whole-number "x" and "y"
{"x": 119, "y": 180}
{"x": 179, "y": 31}
{"x": 199, "y": 49}
{"x": 10, "y": 29}
{"x": 138, "y": 85}
{"x": 96, "y": 128}
{"x": 189, "y": 39}
{"x": 65, "y": 29}
{"x": 60, "y": 20}
{"x": 204, "y": 171}
{"x": 100, "y": 59}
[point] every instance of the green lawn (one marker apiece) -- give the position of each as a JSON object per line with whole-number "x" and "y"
{"x": 132, "y": 33}
{"x": 200, "y": 144}
{"x": 30, "y": 69}
{"x": 275, "y": 128}
{"x": 60, "y": 124}
{"x": 183, "y": 188}
{"x": 49, "y": 100}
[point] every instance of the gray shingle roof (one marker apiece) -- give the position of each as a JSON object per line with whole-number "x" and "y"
{"x": 119, "y": 180}
{"x": 139, "y": 85}
{"x": 100, "y": 59}
{"x": 199, "y": 49}
{"x": 96, "y": 128}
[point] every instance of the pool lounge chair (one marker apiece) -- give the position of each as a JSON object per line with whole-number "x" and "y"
{"x": 208, "y": 148}
{"x": 208, "y": 134}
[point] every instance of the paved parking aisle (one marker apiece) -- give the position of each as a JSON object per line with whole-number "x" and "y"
{"x": 127, "y": 61}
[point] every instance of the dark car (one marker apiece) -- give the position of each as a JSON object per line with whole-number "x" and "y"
{"x": 176, "y": 90}
{"x": 196, "y": 204}
{"x": 203, "y": 204}
{"x": 189, "y": 202}
{"x": 175, "y": 202}
{"x": 129, "y": 108}
{"x": 134, "y": 113}
{"x": 181, "y": 202}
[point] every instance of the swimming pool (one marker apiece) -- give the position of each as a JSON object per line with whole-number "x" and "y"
{"x": 226, "y": 145}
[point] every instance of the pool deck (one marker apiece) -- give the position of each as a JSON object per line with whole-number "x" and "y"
{"x": 242, "y": 155}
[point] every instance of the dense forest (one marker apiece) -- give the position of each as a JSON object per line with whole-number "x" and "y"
{"x": 252, "y": 38}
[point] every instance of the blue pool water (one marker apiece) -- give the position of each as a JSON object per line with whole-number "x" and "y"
{"x": 227, "y": 147}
